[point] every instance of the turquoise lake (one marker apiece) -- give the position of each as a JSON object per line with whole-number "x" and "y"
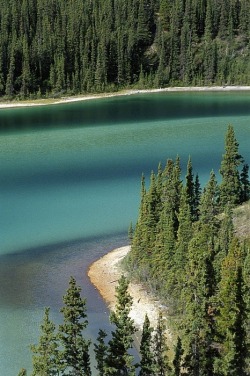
{"x": 70, "y": 186}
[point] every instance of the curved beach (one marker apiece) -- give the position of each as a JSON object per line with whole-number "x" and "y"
{"x": 104, "y": 275}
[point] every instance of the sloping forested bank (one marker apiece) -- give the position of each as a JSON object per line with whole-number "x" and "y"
{"x": 184, "y": 247}
{"x": 53, "y": 47}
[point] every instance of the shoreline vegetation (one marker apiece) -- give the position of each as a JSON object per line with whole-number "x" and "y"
{"x": 104, "y": 274}
{"x": 78, "y": 98}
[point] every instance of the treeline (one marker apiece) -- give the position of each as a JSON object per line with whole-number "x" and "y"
{"x": 65, "y": 351}
{"x": 185, "y": 249}
{"x": 57, "y": 47}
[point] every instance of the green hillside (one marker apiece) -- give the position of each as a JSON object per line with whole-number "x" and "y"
{"x": 57, "y": 47}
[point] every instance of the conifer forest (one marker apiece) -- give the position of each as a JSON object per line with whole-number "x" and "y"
{"x": 185, "y": 249}
{"x": 58, "y": 47}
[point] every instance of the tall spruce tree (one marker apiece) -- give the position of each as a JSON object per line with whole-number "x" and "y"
{"x": 75, "y": 348}
{"x": 100, "y": 349}
{"x": 46, "y": 359}
{"x": 119, "y": 361}
{"x": 146, "y": 353}
{"x": 230, "y": 187}
{"x": 177, "y": 361}
{"x": 245, "y": 184}
{"x": 232, "y": 317}
{"x": 209, "y": 206}
{"x": 160, "y": 348}
{"x": 199, "y": 314}
{"x": 190, "y": 187}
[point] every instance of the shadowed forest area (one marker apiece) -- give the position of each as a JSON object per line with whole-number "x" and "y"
{"x": 58, "y": 47}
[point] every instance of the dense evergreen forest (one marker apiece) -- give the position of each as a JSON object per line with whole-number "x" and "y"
{"x": 184, "y": 248}
{"x": 57, "y": 47}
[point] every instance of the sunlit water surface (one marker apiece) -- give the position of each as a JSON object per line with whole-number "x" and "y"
{"x": 69, "y": 187}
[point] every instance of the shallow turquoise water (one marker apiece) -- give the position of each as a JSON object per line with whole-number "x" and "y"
{"x": 69, "y": 187}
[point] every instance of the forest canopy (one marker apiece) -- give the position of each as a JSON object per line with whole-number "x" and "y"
{"x": 53, "y": 47}
{"x": 184, "y": 247}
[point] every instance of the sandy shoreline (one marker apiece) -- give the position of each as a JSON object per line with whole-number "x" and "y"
{"x": 104, "y": 274}
{"x": 45, "y": 102}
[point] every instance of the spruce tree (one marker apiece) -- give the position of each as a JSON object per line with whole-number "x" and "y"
{"x": 232, "y": 314}
{"x": 177, "y": 361}
{"x": 209, "y": 207}
{"x": 184, "y": 235}
{"x": 245, "y": 184}
{"x": 190, "y": 187}
{"x": 160, "y": 348}
{"x": 146, "y": 353}
{"x": 198, "y": 318}
{"x": 230, "y": 187}
{"x": 100, "y": 349}
{"x": 197, "y": 198}
{"x": 118, "y": 361}
{"x": 46, "y": 359}
{"x": 75, "y": 348}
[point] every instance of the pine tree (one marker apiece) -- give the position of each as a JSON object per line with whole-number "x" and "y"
{"x": 161, "y": 264}
{"x": 177, "y": 361}
{"x": 199, "y": 312}
{"x": 197, "y": 197}
{"x": 75, "y": 352}
{"x": 190, "y": 187}
{"x": 226, "y": 230}
{"x": 230, "y": 184}
{"x": 184, "y": 235}
{"x": 147, "y": 356}
{"x": 100, "y": 349}
{"x": 245, "y": 184}
{"x": 46, "y": 360}
{"x": 232, "y": 314}
{"x": 161, "y": 361}
{"x": 118, "y": 361}
{"x": 209, "y": 207}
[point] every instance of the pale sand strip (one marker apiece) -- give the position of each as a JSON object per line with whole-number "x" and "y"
{"x": 45, "y": 102}
{"x": 104, "y": 274}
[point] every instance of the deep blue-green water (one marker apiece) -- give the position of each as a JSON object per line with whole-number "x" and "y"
{"x": 70, "y": 184}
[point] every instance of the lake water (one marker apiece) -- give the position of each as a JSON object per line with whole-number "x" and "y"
{"x": 69, "y": 187}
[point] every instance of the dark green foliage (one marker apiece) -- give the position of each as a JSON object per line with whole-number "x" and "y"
{"x": 197, "y": 294}
{"x": 232, "y": 313}
{"x": 184, "y": 258}
{"x": 147, "y": 355}
{"x": 46, "y": 358}
{"x": 75, "y": 352}
{"x": 161, "y": 362}
{"x": 118, "y": 360}
{"x": 57, "y": 47}
{"x": 230, "y": 188}
{"x": 177, "y": 362}
{"x": 245, "y": 184}
{"x": 100, "y": 349}
{"x": 190, "y": 187}
{"x": 209, "y": 207}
